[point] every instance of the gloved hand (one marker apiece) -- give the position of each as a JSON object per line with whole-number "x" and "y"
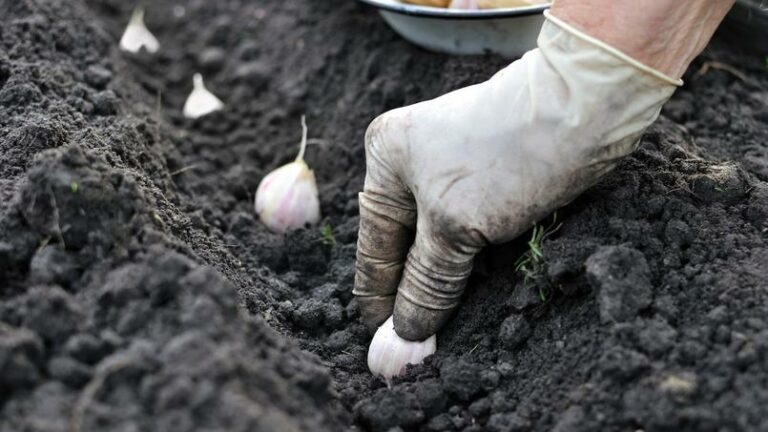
{"x": 482, "y": 164}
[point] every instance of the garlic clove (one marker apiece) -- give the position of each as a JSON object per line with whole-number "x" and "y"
{"x": 287, "y": 198}
{"x": 495, "y": 4}
{"x": 463, "y": 4}
{"x": 201, "y": 101}
{"x": 389, "y": 353}
{"x": 433, "y": 3}
{"x": 137, "y": 35}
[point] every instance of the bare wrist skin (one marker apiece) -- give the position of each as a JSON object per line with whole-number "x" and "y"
{"x": 663, "y": 34}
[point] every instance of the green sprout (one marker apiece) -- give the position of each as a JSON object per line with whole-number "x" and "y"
{"x": 44, "y": 242}
{"x": 327, "y": 234}
{"x": 531, "y": 263}
{"x": 74, "y": 186}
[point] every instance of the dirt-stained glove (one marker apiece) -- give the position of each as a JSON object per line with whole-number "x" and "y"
{"x": 482, "y": 164}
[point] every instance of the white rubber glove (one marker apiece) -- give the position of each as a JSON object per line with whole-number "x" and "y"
{"x": 482, "y": 164}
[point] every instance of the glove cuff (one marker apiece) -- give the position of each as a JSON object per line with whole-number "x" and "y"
{"x": 611, "y": 50}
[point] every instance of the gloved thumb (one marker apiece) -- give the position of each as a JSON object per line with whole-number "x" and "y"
{"x": 434, "y": 278}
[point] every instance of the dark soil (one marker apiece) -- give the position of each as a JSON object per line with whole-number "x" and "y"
{"x": 138, "y": 292}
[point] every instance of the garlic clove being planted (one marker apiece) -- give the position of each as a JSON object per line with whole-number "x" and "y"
{"x": 137, "y": 35}
{"x": 389, "y": 353}
{"x": 286, "y": 198}
{"x": 201, "y": 101}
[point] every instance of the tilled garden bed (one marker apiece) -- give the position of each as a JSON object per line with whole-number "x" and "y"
{"x": 139, "y": 291}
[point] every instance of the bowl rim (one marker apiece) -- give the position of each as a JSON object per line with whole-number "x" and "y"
{"x": 442, "y": 13}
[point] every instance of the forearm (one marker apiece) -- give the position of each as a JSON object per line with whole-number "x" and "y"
{"x": 663, "y": 34}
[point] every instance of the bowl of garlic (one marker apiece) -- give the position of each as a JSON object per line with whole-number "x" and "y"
{"x": 466, "y": 27}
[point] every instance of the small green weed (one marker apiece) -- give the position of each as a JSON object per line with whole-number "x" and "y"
{"x": 531, "y": 263}
{"x": 327, "y": 235}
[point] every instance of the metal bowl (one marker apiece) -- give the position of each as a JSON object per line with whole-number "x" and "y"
{"x": 508, "y": 32}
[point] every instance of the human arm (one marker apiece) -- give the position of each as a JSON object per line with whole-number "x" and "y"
{"x": 482, "y": 164}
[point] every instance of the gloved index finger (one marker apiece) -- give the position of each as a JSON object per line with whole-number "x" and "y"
{"x": 387, "y": 224}
{"x": 386, "y": 233}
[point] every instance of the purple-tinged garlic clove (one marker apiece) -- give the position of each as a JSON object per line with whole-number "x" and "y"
{"x": 287, "y": 198}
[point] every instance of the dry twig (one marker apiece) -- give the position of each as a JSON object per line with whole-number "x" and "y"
{"x": 706, "y": 67}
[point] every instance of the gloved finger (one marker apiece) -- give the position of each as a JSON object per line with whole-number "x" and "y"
{"x": 433, "y": 282}
{"x": 382, "y": 245}
{"x": 387, "y": 221}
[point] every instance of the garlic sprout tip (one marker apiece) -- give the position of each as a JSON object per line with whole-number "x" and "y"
{"x": 197, "y": 80}
{"x": 137, "y": 15}
{"x": 303, "y": 146}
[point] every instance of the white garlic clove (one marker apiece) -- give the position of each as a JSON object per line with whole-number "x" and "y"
{"x": 495, "y": 4}
{"x": 201, "y": 101}
{"x": 137, "y": 36}
{"x": 463, "y": 4}
{"x": 389, "y": 353}
{"x": 287, "y": 198}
